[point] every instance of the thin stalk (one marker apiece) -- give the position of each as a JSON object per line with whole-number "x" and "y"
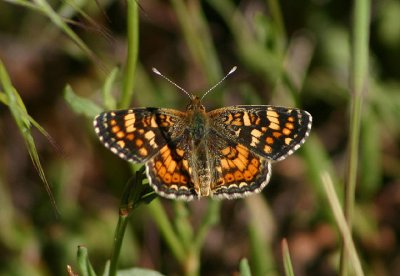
{"x": 182, "y": 224}
{"x": 134, "y": 194}
{"x": 191, "y": 266}
{"x": 132, "y": 56}
{"x": 210, "y": 218}
{"x": 161, "y": 219}
{"x": 359, "y": 78}
{"x": 287, "y": 261}
{"x": 118, "y": 238}
{"x": 344, "y": 228}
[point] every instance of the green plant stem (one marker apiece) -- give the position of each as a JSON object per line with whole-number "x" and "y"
{"x": 118, "y": 238}
{"x": 133, "y": 195}
{"x": 191, "y": 266}
{"x": 210, "y": 218}
{"x": 162, "y": 221}
{"x": 132, "y": 56}
{"x": 85, "y": 267}
{"x": 182, "y": 224}
{"x": 359, "y": 83}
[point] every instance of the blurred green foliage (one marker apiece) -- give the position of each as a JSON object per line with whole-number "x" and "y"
{"x": 64, "y": 62}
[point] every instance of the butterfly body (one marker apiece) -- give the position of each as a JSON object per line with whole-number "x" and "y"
{"x": 223, "y": 153}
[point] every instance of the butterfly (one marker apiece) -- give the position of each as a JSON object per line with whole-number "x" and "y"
{"x": 223, "y": 153}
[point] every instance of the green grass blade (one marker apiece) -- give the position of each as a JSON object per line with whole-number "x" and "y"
{"x": 84, "y": 264}
{"x": 26, "y": 4}
{"x": 287, "y": 262}
{"x": 359, "y": 85}
{"x": 23, "y": 121}
{"x": 261, "y": 230}
{"x": 342, "y": 224}
{"x": 60, "y": 23}
{"x": 161, "y": 219}
{"x": 244, "y": 267}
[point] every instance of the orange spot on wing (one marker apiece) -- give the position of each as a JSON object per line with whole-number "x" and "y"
{"x": 162, "y": 171}
{"x": 167, "y": 178}
{"x": 164, "y": 148}
{"x": 242, "y": 150}
{"x": 175, "y": 177}
{"x": 183, "y": 180}
{"x": 172, "y": 166}
{"x": 231, "y": 164}
{"x": 233, "y": 153}
{"x": 229, "y": 177}
{"x": 289, "y": 125}
{"x": 286, "y": 131}
{"x": 168, "y": 160}
{"x": 267, "y": 149}
{"x": 143, "y": 152}
{"x": 247, "y": 175}
{"x": 121, "y": 143}
{"x": 269, "y": 140}
{"x": 239, "y": 164}
{"x": 224, "y": 164}
{"x": 253, "y": 169}
{"x": 255, "y": 162}
{"x": 226, "y": 150}
{"x": 243, "y": 159}
{"x": 139, "y": 142}
{"x": 238, "y": 176}
{"x": 115, "y": 129}
{"x": 120, "y": 134}
{"x": 274, "y": 126}
{"x": 180, "y": 152}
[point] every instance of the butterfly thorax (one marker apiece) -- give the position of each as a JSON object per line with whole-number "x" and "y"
{"x": 200, "y": 159}
{"x": 197, "y": 121}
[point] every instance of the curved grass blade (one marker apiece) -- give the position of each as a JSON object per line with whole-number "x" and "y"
{"x": 24, "y": 123}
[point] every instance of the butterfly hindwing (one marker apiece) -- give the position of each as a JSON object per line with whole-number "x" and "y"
{"x": 169, "y": 173}
{"x": 238, "y": 171}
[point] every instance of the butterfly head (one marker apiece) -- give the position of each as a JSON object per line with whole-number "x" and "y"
{"x": 195, "y": 104}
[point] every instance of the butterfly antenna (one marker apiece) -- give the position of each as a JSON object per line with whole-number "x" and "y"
{"x": 170, "y": 81}
{"x": 218, "y": 83}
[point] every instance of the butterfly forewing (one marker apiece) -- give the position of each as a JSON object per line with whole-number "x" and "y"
{"x": 269, "y": 131}
{"x": 138, "y": 134}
